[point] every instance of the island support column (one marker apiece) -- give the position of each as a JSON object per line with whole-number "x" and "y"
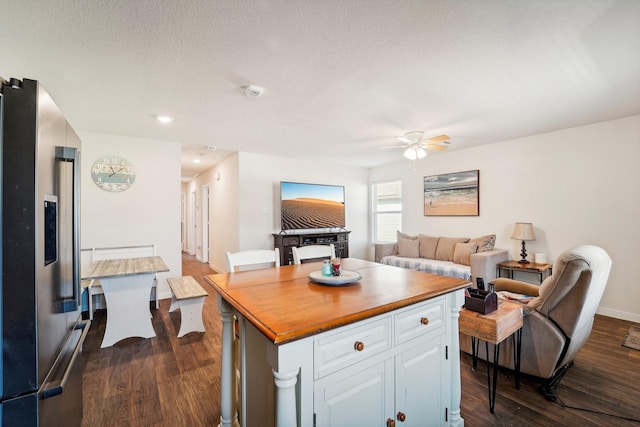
{"x": 286, "y": 405}
{"x": 457, "y": 300}
{"x": 228, "y": 404}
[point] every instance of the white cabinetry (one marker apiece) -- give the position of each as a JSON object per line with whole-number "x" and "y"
{"x": 389, "y": 369}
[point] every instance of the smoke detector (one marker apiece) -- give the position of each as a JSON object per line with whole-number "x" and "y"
{"x": 253, "y": 91}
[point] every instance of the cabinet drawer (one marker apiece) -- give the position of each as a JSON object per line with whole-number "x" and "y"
{"x": 426, "y": 317}
{"x": 349, "y": 345}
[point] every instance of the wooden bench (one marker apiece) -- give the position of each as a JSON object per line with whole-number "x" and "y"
{"x": 188, "y": 296}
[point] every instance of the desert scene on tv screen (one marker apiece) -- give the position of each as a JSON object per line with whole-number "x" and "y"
{"x": 311, "y": 213}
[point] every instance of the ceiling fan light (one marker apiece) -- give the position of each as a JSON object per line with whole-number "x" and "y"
{"x": 411, "y": 153}
{"x": 415, "y": 153}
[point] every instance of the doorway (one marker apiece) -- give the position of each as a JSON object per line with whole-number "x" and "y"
{"x": 205, "y": 223}
{"x": 194, "y": 225}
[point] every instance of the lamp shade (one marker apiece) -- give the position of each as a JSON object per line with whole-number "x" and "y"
{"x": 523, "y": 231}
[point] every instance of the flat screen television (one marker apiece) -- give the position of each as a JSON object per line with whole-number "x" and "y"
{"x": 310, "y": 206}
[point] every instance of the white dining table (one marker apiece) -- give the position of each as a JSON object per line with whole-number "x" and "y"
{"x": 127, "y": 287}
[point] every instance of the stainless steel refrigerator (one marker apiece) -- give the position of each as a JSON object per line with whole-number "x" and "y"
{"x": 42, "y": 328}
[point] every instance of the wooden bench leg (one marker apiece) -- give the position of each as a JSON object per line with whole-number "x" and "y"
{"x": 90, "y": 295}
{"x": 191, "y": 315}
{"x": 174, "y": 304}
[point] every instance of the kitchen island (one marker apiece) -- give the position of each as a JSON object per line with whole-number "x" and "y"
{"x": 381, "y": 350}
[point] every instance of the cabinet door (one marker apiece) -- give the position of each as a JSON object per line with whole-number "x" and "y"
{"x": 419, "y": 375}
{"x": 353, "y": 398}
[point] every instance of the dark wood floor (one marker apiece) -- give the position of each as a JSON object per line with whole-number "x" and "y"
{"x": 165, "y": 381}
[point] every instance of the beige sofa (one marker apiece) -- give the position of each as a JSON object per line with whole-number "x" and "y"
{"x": 459, "y": 257}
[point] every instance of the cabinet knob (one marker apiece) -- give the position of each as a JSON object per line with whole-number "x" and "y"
{"x": 424, "y": 320}
{"x": 359, "y": 346}
{"x": 391, "y": 423}
{"x": 401, "y": 417}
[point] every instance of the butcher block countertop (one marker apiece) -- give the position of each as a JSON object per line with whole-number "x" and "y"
{"x": 285, "y": 305}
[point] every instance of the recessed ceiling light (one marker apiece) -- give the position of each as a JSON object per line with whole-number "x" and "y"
{"x": 196, "y": 160}
{"x": 164, "y": 119}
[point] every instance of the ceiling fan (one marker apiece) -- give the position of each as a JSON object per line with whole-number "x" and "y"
{"x": 415, "y": 144}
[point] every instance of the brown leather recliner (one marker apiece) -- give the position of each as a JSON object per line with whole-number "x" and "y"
{"x": 558, "y": 321}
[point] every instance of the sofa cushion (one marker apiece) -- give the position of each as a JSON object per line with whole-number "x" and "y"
{"x": 408, "y": 248}
{"x": 401, "y": 235}
{"x": 463, "y": 251}
{"x": 485, "y": 243}
{"x": 447, "y": 246}
{"x": 443, "y": 268}
{"x": 428, "y": 246}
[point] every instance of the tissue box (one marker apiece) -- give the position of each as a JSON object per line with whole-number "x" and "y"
{"x": 480, "y": 301}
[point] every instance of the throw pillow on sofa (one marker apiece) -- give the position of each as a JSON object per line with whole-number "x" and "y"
{"x": 428, "y": 246}
{"x": 401, "y": 235}
{"x": 463, "y": 251}
{"x": 447, "y": 246}
{"x": 408, "y": 248}
{"x": 485, "y": 243}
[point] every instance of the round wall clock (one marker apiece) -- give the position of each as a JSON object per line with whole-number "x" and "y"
{"x": 112, "y": 173}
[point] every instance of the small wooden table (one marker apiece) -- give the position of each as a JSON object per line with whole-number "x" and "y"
{"x": 511, "y": 266}
{"x": 127, "y": 286}
{"x": 494, "y": 328}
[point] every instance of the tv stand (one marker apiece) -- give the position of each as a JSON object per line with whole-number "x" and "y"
{"x": 284, "y": 242}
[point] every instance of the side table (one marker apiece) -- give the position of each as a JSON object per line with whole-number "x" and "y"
{"x": 543, "y": 270}
{"x": 494, "y": 328}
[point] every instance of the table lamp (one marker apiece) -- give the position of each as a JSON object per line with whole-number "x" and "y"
{"x": 523, "y": 231}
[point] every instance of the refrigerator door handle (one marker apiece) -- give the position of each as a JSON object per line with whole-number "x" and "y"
{"x": 71, "y": 155}
{"x": 55, "y": 386}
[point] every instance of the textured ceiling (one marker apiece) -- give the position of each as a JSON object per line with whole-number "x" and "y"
{"x": 341, "y": 78}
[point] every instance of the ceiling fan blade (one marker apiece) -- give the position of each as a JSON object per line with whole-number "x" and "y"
{"x": 404, "y": 139}
{"x": 439, "y": 138}
{"x": 436, "y": 147}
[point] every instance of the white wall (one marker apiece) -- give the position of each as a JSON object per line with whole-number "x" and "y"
{"x": 148, "y": 212}
{"x": 577, "y": 186}
{"x": 260, "y": 178}
{"x": 245, "y": 201}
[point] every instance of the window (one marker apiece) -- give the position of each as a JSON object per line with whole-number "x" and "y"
{"x": 387, "y": 210}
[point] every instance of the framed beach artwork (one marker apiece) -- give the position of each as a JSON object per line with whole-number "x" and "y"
{"x": 452, "y": 194}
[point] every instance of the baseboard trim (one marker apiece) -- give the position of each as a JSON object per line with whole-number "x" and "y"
{"x": 632, "y": 317}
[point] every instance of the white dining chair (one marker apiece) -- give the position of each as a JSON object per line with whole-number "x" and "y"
{"x": 252, "y": 259}
{"x": 314, "y": 252}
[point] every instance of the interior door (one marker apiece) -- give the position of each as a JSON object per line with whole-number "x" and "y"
{"x": 205, "y": 223}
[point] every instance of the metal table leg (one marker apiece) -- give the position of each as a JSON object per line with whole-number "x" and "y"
{"x": 492, "y": 383}
{"x": 517, "y": 352}
{"x": 474, "y": 352}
